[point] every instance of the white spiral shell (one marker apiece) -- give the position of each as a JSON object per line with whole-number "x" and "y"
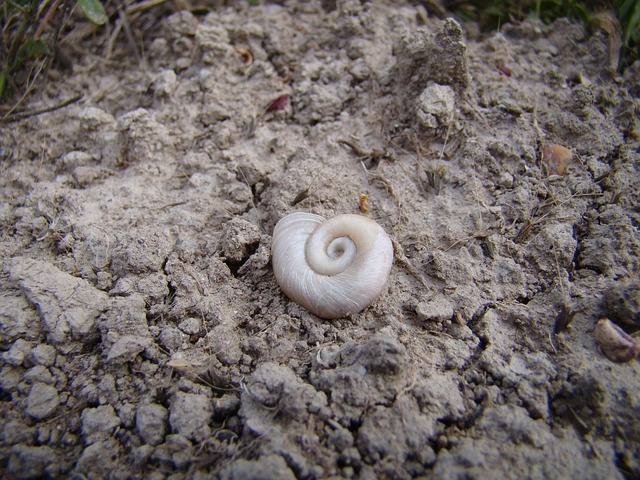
{"x": 333, "y": 267}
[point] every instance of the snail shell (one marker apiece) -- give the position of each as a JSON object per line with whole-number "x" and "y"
{"x": 614, "y": 342}
{"x": 333, "y": 267}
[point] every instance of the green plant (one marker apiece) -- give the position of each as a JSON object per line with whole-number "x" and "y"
{"x": 629, "y": 13}
{"x": 30, "y": 32}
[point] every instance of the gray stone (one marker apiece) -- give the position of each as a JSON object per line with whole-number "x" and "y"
{"x": 108, "y": 394}
{"x": 142, "y": 454}
{"x": 127, "y": 414}
{"x": 176, "y": 449}
{"x": 190, "y": 415}
{"x": 69, "y": 306}
{"x": 100, "y": 460}
{"x": 30, "y": 462}
{"x": 191, "y": 326}
{"x": 10, "y": 377}
{"x": 17, "y": 432}
{"x": 39, "y": 373}
{"x": 165, "y": 83}
{"x": 151, "y": 423}
{"x": 389, "y": 432}
{"x": 127, "y": 348}
{"x": 43, "y": 355}
{"x": 226, "y": 405}
{"x": 239, "y": 238}
{"x": 435, "y": 106}
{"x": 437, "y": 309}
{"x": 42, "y": 401}
{"x": 17, "y": 353}
{"x": 440, "y": 56}
{"x": 18, "y": 318}
{"x": 94, "y": 117}
{"x": 225, "y": 341}
{"x": 127, "y": 316}
{"x": 76, "y": 158}
{"x": 268, "y": 467}
{"x": 125, "y": 331}
{"x": 144, "y": 249}
{"x": 171, "y": 339}
{"x": 100, "y": 419}
{"x": 88, "y": 393}
{"x": 154, "y": 286}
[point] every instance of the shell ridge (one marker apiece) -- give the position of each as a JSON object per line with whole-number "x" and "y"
{"x": 334, "y": 287}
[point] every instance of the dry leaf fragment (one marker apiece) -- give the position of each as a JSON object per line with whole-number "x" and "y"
{"x": 247, "y": 56}
{"x": 614, "y": 342}
{"x": 608, "y": 23}
{"x": 363, "y": 197}
{"x": 555, "y": 158}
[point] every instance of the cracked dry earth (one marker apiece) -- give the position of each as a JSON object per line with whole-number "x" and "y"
{"x": 143, "y": 334}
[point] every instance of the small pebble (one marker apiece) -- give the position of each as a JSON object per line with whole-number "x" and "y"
{"x": 190, "y": 415}
{"x": 39, "y": 373}
{"x": 505, "y": 180}
{"x": 190, "y": 326}
{"x": 42, "y": 401}
{"x": 436, "y": 106}
{"x": 17, "y": 432}
{"x": 31, "y": 462}
{"x": 17, "y": 353}
{"x": 43, "y": 355}
{"x": 437, "y": 309}
{"x": 442, "y": 442}
{"x": 152, "y": 423}
{"x": 100, "y": 419}
{"x": 239, "y": 238}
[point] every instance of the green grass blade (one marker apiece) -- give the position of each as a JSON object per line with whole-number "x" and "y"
{"x": 3, "y": 83}
{"x": 633, "y": 22}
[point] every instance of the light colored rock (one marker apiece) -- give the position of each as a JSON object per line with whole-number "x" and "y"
{"x": 239, "y": 237}
{"x": 127, "y": 414}
{"x": 142, "y": 454}
{"x": 126, "y": 316}
{"x": 165, "y": 83}
{"x": 31, "y": 462}
{"x": 93, "y": 117}
{"x": 171, "y": 339}
{"x": 108, "y": 394}
{"x": 40, "y": 374}
{"x": 10, "y": 377}
{"x": 18, "y": 318}
{"x": 42, "y": 401}
{"x": 100, "y": 419}
{"x": 17, "y": 432}
{"x": 151, "y": 423}
{"x": 268, "y": 467}
{"x": 127, "y": 348}
{"x": 437, "y": 309}
{"x": 190, "y": 326}
{"x": 43, "y": 355}
{"x": 69, "y": 306}
{"x": 153, "y": 286}
{"x": 100, "y": 460}
{"x": 435, "y": 106}
{"x": 17, "y": 353}
{"x": 190, "y": 415}
{"x": 176, "y": 449}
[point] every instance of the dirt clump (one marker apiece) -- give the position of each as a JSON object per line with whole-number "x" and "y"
{"x": 143, "y": 334}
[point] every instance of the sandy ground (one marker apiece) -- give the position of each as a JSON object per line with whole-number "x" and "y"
{"x": 143, "y": 332}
